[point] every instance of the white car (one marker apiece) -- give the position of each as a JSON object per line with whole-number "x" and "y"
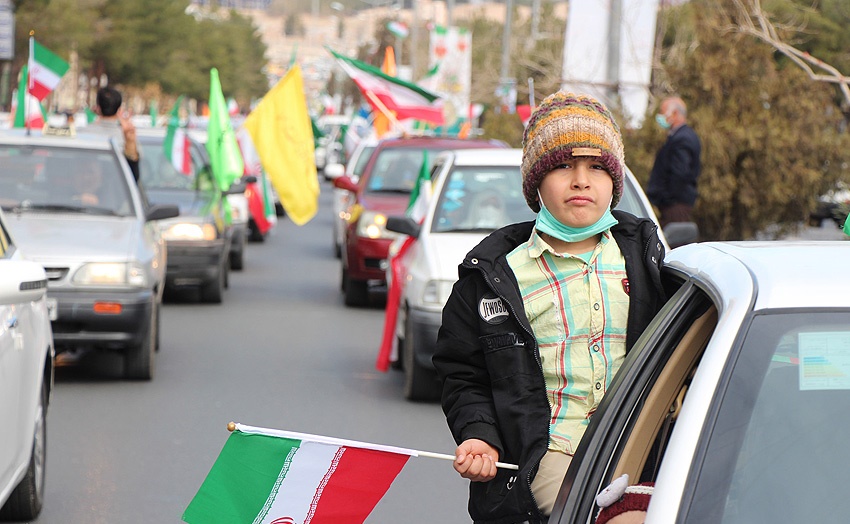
{"x": 734, "y": 401}
{"x": 475, "y": 192}
{"x": 341, "y": 197}
{"x": 26, "y": 381}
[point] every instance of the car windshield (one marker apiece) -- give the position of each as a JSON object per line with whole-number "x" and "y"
{"x": 158, "y": 172}
{"x": 362, "y": 160}
{"x": 778, "y": 451}
{"x": 54, "y": 179}
{"x": 480, "y": 198}
{"x": 396, "y": 170}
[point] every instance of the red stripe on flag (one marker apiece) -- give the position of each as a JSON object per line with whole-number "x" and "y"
{"x": 40, "y": 91}
{"x": 361, "y": 478}
{"x": 186, "y": 167}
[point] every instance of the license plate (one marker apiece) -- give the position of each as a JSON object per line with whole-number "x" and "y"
{"x": 52, "y": 308}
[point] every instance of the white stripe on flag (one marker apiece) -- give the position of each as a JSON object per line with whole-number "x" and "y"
{"x": 44, "y": 76}
{"x": 295, "y": 495}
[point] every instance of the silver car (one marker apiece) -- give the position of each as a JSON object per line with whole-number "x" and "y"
{"x": 734, "y": 402}
{"x": 74, "y": 207}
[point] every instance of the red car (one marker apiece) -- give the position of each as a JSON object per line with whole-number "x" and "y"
{"x": 384, "y": 190}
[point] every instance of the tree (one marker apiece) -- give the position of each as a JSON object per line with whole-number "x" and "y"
{"x": 771, "y": 137}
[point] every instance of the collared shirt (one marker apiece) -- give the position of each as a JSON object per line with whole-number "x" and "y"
{"x": 578, "y": 312}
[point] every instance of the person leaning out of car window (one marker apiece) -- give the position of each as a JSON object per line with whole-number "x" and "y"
{"x": 544, "y": 313}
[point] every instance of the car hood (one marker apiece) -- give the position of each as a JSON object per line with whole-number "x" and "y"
{"x": 191, "y": 203}
{"x": 445, "y": 251}
{"x": 46, "y": 237}
{"x": 388, "y": 203}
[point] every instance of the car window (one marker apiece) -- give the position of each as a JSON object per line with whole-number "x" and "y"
{"x": 52, "y": 179}
{"x": 630, "y": 202}
{"x": 396, "y": 170}
{"x": 362, "y": 160}
{"x": 480, "y": 198}
{"x": 778, "y": 451}
{"x": 157, "y": 171}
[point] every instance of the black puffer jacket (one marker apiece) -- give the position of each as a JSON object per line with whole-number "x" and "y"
{"x": 488, "y": 360}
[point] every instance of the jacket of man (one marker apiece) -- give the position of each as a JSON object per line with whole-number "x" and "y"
{"x": 673, "y": 179}
{"x": 489, "y": 363}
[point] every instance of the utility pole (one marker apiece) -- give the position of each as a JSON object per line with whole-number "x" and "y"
{"x": 450, "y": 5}
{"x": 507, "y": 83}
{"x": 613, "y": 65}
{"x": 414, "y": 39}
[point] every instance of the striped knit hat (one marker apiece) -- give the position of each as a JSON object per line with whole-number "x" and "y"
{"x": 561, "y": 123}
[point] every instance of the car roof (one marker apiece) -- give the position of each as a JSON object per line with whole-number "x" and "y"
{"x": 485, "y": 157}
{"x": 437, "y": 141}
{"x": 80, "y": 140}
{"x": 782, "y": 274}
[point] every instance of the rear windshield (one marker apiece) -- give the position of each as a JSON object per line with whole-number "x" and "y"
{"x": 396, "y": 169}
{"x": 63, "y": 180}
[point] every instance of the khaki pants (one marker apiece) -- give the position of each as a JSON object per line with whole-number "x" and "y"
{"x": 550, "y": 476}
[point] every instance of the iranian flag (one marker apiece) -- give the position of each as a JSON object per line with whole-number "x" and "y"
{"x": 176, "y": 143}
{"x": 46, "y": 70}
{"x": 266, "y": 476}
{"x": 388, "y": 93}
{"x": 28, "y": 112}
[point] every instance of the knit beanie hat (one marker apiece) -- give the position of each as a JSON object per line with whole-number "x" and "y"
{"x": 564, "y": 122}
{"x": 619, "y": 498}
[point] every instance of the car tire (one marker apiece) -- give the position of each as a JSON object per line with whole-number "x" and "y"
{"x": 157, "y": 323}
{"x": 237, "y": 260}
{"x": 420, "y": 383}
{"x": 139, "y": 361}
{"x": 398, "y": 364}
{"x": 27, "y": 499}
{"x": 356, "y": 292}
{"x": 213, "y": 291}
{"x": 254, "y": 234}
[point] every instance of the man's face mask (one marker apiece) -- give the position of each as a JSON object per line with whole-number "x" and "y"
{"x": 661, "y": 120}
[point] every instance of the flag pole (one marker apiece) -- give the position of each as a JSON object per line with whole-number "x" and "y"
{"x": 384, "y": 109}
{"x": 29, "y": 76}
{"x": 233, "y": 426}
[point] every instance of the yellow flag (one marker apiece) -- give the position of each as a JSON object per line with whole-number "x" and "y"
{"x": 283, "y": 136}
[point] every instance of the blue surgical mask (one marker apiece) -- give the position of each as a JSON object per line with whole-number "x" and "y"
{"x": 547, "y": 223}
{"x": 661, "y": 120}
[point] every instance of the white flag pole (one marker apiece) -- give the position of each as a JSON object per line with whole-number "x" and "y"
{"x": 233, "y": 426}
{"x": 29, "y": 80}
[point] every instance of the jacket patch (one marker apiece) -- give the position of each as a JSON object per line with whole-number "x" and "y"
{"x": 626, "y": 287}
{"x": 502, "y": 340}
{"x": 492, "y": 310}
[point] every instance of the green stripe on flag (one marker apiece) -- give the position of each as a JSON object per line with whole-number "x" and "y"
{"x": 240, "y": 481}
{"x": 372, "y": 70}
{"x": 49, "y": 59}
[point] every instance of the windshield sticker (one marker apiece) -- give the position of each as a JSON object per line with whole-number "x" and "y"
{"x": 824, "y": 360}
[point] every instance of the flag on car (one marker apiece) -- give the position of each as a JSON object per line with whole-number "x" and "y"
{"x": 176, "y": 144}
{"x": 225, "y": 157}
{"x": 399, "y": 29}
{"x": 28, "y": 111}
{"x": 386, "y": 93}
{"x": 266, "y": 476}
{"x": 45, "y": 68}
{"x": 282, "y": 133}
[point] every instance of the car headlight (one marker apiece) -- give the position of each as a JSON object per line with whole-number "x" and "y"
{"x": 374, "y": 225}
{"x": 437, "y": 292}
{"x": 111, "y": 274}
{"x": 189, "y": 231}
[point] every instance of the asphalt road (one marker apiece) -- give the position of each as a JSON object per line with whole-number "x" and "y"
{"x": 282, "y": 351}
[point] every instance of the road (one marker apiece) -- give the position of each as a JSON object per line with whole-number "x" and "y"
{"x": 282, "y": 351}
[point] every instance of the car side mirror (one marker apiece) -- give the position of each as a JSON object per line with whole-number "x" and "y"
{"x": 236, "y": 188}
{"x": 334, "y": 171}
{"x": 250, "y": 179}
{"x": 345, "y": 182}
{"x": 404, "y": 225}
{"x": 681, "y": 233}
{"x": 21, "y": 281}
{"x": 161, "y": 212}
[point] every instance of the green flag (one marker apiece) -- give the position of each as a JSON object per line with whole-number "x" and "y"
{"x": 420, "y": 197}
{"x": 847, "y": 225}
{"x": 91, "y": 116}
{"x": 225, "y": 156}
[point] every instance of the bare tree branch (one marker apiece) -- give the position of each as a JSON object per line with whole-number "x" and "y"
{"x": 754, "y": 22}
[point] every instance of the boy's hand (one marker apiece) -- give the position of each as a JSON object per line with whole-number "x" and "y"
{"x": 476, "y": 460}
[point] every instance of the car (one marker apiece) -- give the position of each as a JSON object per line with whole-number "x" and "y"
{"x": 329, "y": 149}
{"x": 198, "y": 241}
{"x": 341, "y": 199}
{"x": 27, "y": 366}
{"x": 382, "y": 190}
{"x": 74, "y": 207}
{"x": 733, "y": 401}
{"x": 476, "y": 191}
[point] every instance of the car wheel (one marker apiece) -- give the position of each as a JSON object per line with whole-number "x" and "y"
{"x": 420, "y": 383}
{"x": 399, "y": 362}
{"x": 255, "y": 235}
{"x": 139, "y": 360}
{"x": 157, "y": 323}
{"x": 25, "y": 502}
{"x": 356, "y": 291}
{"x": 237, "y": 260}
{"x": 214, "y": 290}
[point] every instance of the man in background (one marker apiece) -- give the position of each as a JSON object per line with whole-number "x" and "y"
{"x": 673, "y": 181}
{"x": 110, "y": 123}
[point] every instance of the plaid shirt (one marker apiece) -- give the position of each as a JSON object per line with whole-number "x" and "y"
{"x": 578, "y": 311}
